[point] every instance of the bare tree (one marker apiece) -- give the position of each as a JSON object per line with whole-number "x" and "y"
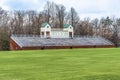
{"x": 96, "y": 26}
{"x": 60, "y": 14}
{"x": 85, "y": 28}
{"x": 116, "y": 31}
{"x": 16, "y": 22}
{"x": 73, "y": 17}
{"x": 47, "y": 11}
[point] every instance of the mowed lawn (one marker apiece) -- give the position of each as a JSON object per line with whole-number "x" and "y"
{"x": 65, "y": 64}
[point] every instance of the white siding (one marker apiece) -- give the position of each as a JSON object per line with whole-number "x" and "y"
{"x": 59, "y": 34}
{"x": 45, "y": 29}
{"x": 63, "y": 33}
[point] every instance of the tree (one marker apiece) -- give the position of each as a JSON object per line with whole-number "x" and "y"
{"x": 73, "y": 17}
{"x": 96, "y": 26}
{"x": 108, "y": 22}
{"x": 116, "y": 31}
{"x": 85, "y": 28}
{"x": 106, "y": 27}
{"x": 60, "y": 14}
{"x": 47, "y": 11}
{"x": 17, "y": 22}
{"x": 4, "y": 39}
{"x": 4, "y": 30}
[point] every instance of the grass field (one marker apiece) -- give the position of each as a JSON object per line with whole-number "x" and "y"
{"x": 67, "y": 64}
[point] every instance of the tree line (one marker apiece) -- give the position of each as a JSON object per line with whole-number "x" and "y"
{"x": 28, "y": 22}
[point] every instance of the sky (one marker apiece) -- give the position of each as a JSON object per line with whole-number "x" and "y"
{"x": 85, "y": 8}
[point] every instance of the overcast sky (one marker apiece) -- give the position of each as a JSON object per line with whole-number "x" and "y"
{"x": 84, "y": 8}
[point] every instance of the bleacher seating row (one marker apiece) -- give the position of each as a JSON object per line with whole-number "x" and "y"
{"x": 77, "y": 41}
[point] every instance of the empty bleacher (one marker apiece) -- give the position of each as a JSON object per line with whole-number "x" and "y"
{"x": 59, "y": 42}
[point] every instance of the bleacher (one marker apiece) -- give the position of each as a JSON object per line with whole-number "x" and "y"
{"x": 76, "y": 41}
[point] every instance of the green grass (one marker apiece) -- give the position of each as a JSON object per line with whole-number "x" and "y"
{"x": 67, "y": 64}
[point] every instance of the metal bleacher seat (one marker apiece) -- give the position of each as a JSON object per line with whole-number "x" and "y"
{"x": 77, "y": 41}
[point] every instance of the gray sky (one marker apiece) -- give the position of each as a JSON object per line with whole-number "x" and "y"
{"x": 85, "y": 8}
